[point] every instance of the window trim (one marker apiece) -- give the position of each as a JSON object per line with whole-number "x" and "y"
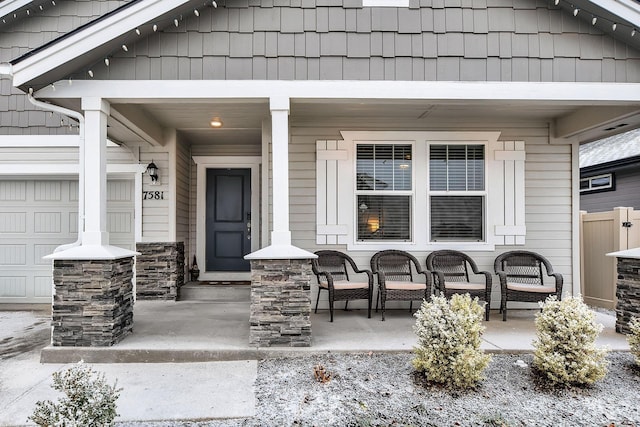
{"x": 421, "y": 140}
{"x": 591, "y": 190}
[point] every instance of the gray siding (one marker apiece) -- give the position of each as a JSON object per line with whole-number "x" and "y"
{"x": 510, "y": 40}
{"x": 547, "y": 194}
{"x": 183, "y": 195}
{"x": 627, "y": 193}
{"x": 25, "y": 32}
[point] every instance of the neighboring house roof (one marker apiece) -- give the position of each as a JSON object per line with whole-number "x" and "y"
{"x": 617, "y": 150}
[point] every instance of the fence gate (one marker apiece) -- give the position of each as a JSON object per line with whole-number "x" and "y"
{"x": 601, "y": 233}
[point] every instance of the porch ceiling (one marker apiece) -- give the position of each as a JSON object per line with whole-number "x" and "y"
{"x": 243, "y": 120}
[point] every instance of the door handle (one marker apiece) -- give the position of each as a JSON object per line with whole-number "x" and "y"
{"x": 248, "y": 230}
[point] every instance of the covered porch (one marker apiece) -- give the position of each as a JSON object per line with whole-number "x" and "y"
{"x": 196, "y": 331}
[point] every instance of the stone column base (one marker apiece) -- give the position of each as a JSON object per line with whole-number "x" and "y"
{"x": 159, "y": 270}
{"x": 627, "y": 293}
{"x": 280, "y": 303}
{"x": 92, "y": 302}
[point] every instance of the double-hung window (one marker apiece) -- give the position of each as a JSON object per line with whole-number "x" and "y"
{"x": 457, "y": 192}
{"x": 384, "y": 191}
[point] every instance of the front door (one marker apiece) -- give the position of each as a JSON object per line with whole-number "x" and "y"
{"x": 228, "y": 213}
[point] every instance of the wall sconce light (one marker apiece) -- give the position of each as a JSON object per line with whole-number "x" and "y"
{"x": 216, "y": 122}
{"x": 152, "y": 170}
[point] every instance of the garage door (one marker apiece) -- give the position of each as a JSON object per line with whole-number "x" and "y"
{"x": 36, "y": 216}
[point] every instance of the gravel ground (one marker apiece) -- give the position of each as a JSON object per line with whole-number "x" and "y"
{"x": 383, "y": 390}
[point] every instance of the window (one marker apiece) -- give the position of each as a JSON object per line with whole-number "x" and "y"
{"x": 457, "y": 192}
{"x": 384, "y": 192}
{"x": 597, "y": 183}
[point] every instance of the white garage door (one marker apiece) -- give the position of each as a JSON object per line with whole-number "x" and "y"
{"x": 36, "y": 216}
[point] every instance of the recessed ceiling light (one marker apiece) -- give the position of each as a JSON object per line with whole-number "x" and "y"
{"x": 216, "y": 122}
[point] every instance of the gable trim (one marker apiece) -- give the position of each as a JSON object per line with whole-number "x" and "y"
{"x": 88, "y": 37}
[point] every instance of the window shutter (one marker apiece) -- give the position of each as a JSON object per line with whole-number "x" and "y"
{"x": 333, "y": 184}
{"x": 506, "y": 192}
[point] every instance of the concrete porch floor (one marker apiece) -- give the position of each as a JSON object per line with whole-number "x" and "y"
{"x": 190, "y": 331}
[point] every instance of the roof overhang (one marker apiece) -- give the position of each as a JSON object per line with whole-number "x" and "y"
{"x": 86, "y": 45}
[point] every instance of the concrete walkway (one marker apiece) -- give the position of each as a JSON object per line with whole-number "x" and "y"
{"x": 218, "y": 383}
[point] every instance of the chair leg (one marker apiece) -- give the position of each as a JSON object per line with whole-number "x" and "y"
{"x": 377, "y": 300}
{"x": 410, "y": 306}
{"x": 383, "y": 303}
{"x": 369, "y": 308}
{"x": 503, "y": 306}
{"x": 317, "y": 299}
{"x": 486, "y": 308}
{"x": 345, "y": 305}
{"x": 331, "y": 308}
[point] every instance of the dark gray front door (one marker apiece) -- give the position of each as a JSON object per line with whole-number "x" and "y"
{"x": 228, "y": 219}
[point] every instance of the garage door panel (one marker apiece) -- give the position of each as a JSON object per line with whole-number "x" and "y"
{"x": 13, "y": 254}
{"x": 47, "y": 222}
{"x": 42, "y": 286}
{"x": 37, "y": 216}
{"x": 50, "y": 191}
{"x": 13, "y": 222}
{"x": 13, "y": 191}
{"x": 13, "y": 286}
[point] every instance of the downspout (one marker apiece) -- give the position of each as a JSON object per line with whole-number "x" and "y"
{"x": 80, "y": 118}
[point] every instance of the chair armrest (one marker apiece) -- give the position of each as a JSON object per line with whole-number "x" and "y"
{"x": 559, "y": 281}
{"x": 328, "y": 276}
{"x": 503, "y": 279}
{"x": 488, "y": 278}
{"x": 439, "y": 281}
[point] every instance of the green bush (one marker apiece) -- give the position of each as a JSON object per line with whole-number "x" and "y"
{"x": 565, "y": 351}
{"x": 634, "y": 338}
{"x": 88, "y": 402}
{"x": 448, "y": 350}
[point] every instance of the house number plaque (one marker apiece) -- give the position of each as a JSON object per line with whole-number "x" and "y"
{"x": 153, "y": 195}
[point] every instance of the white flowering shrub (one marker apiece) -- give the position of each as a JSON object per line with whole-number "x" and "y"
{"x": 88, "y": 402}
{"x": 565, "y": 351}
{"x": 448, "y": 350}
{"x": 634, "y": 338}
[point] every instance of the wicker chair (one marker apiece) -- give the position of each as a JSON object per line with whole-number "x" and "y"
{"x": 333, "y": 276}
{"x": 395, "y": 278}
{"x": 522, "y": 278}
{"x": 451, "y": 276}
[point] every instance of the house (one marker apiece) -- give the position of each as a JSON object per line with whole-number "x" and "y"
{"x": 610, "y": 173}
{"x": 281, "y": 127}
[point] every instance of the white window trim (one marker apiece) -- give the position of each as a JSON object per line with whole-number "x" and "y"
{"x": 597, "y": 189}
{"x": 421, "y": 141}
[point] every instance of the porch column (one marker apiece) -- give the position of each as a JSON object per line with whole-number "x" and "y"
{"x": 92, "y": 282}
{"x": 95, "y": 166}
{"x": 627, "y": 288}
{"x": 281, "y": 235}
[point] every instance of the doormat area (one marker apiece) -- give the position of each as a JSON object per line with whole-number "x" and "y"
{"x": 229, "y": 283}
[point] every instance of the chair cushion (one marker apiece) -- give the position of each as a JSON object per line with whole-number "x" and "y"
{"x": 344, "y": 284}
{"x": 465, "y": 286}
{"x": 407, "y": 286}
{"x": 527, "y": 287}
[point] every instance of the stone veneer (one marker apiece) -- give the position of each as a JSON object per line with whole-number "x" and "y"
{"x": 159, "y": 270}
{"x": 92, "y": 302}
{"x": 280, "y": 303}
{"x": 627, "y": 293}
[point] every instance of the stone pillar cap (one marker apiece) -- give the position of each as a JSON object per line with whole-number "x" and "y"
{"x": 629, "y": 253}
{"x": 92, "y": 252}
{"x": 281, "y": 252}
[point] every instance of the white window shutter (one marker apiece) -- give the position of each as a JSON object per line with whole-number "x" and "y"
{"x": 332, "y": 187}
{"x": 506, "y": 192}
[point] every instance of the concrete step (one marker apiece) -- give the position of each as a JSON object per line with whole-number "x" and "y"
{"x": 215, "y": 291}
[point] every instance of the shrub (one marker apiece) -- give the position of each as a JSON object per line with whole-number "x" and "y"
{"x": 448, "y": 350}
{"x": 565, "y": 351}
{"x": 88, "y": 400}
{"x": 634, "y": 338}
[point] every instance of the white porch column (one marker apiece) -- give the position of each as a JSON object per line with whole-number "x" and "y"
{"x": 281, "y": 235}
{"x": 95, "y": 161}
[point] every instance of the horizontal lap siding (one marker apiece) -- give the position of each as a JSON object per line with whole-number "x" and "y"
{"x": 183, "y": 195}
{"x": 547, "y": 196}
{"x": 627, "y": 193}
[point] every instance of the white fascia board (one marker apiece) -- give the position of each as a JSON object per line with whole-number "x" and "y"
{"x": 7, "y": 7}
{"x": 30, "y": 141}
{"x": 626, "y": 10}
{"x": 120, "y": 91}
{"x": 92, "y": 36}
